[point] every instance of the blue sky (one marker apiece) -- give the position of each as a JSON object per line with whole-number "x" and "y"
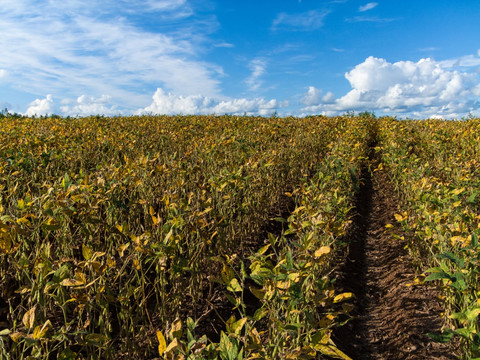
{"x": 296, "y": 57}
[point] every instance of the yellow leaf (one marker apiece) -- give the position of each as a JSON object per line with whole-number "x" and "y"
{"x": 322, "y": 251}
{"x": 332, "y": 351}
{"x": 168, "y": 236}
{"x": 136, "y": 264}
{"x": 80, "y": 277}
{"x": 283, "y": 285}
{"x": 343, "y": 297}
{"x": 258, "y": 293}
{"x": 172, "y": 346}
{"x": 151, "y": 211}
{"x": 238, "y": 325}
{"x": 234, "y": 286}
{"x": 72, "y": 282}
{"x": 227, "y": 273}
{"x": 295, "y": 277}
{"x": 17, "y": 336}
{"x": 5, "y": 243}
{"x": 29, "y": 318}
{"x": 326, "y": 321}
{"x": 121, "y": 249}
{"x": 162, "y": 344}
{"x": 399, "y": 217}
{"x": 176, "y": 331}
{"x": 40, "y": 331}
{"x": 86, "y": 252}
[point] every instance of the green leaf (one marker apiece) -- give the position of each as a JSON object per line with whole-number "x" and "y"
{"x": 474, "y": 240}
{"x": 260, "y": 314}
{"x": 96, "y": 339}
{"x": 60, "y": 274}
{"x": 263, "y": 249}
{"x": 228, "y": 348}
{"x": 5, "y": 332}
{"x": 234, "y": 286}
{"x": 443, "y": 337}
{"x": 464, "y": 332}
{"x": 452, "y": 257}
{"x": 471, "y": 198}
{"x": 237, "y": 326}
{"x": 437, "y": 275}
{"x": 67, "y": 354}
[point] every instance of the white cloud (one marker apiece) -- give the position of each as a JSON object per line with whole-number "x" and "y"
{"x": 85, "y": 105}
{"x": 162, "y": 5}
{"x": 257, "y": 67}
{"x": 315, "y": 96}
{"x": 461, "y": 62}
{"x": 421, "y": 89}
{"x": 368, "y": 6}
{"x": 41, "y": 107}
{"x": 307, "y": 21}
{"x": 97, "y": 47}
{"x": 168, "y": 103}
{"x": 373, "y": 19}
{"x": 223, "y": 45}
{"x": 3, "y": 73}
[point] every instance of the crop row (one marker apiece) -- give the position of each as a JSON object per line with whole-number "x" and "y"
{"x": 436, "y": 168}
{"x": 125, "y": 236}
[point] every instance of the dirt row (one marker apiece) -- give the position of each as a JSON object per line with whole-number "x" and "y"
{"x": 392, "y": 316}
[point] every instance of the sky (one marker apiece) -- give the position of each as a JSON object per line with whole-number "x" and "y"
{"x": 409, "y": 59}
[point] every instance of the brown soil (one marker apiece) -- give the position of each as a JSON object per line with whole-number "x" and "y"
{"x": 391, "y": 319}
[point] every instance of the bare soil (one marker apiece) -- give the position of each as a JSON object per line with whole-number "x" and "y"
{"x": 392, "y": 318}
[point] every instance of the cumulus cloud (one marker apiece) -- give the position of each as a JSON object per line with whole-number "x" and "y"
{"x": 368, "y": 6}
{"x": 257, "y": 67}
{"x": 315, "y": 96}
{"x": 307, "y": 21}
{"x": 421, "y": 89}
{"x": 168, "y": 103}
{"x": 41, "y": 107}
{"x": 87, "y": 105}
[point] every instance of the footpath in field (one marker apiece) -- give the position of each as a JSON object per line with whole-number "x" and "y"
{"x": 391, "y": 317}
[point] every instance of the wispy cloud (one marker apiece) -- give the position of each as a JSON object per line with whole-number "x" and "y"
{"x": 373, "y": 19}
{"x": 257, "y": 67}
{"x": 429, "y": 49}
{"x": 76, "y": 47}
{"x": 467, "y": 61}
{"x": 368, "y": 6}
{"x": 223, "y": 45}
{"x": 307, "y": 21}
